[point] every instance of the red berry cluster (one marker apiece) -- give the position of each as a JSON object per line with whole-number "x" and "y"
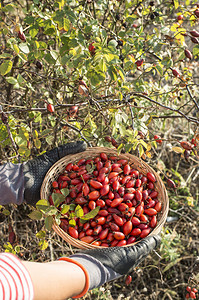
{"x": 191, "y": 293}
{"x": 127, "y": 200}
{"x": 158, "y": 139}
{"x": 189, "y": 147}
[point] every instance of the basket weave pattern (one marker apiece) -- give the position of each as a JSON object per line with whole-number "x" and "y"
{"x": 91, "y": 153}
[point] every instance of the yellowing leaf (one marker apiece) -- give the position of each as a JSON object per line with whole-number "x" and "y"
{"x": 132, "y": 58}
{"x": 16, "y": 49}
{"x": 5, "y": 67}
{"x": 177, "y": 149}
{"x": 148, "y": 147}
{"x": 174, "y": 27}
{"x": 190, "y": 201}
{"x": 176, "y": 4}
{"x": 43, "y": 244}
{"x": 121, "y": 74}
{"x": 141, "y": 150}
{"x": 148, "y": 154}
{"x": 42, "y": 202}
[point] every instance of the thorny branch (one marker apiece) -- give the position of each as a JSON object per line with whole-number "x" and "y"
{"x": 76, "y": 129}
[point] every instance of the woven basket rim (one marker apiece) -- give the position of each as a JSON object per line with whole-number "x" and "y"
{"x": 93, "y": 152}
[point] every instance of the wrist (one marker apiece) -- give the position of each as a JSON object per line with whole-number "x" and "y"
{"x": 86, "y": 274}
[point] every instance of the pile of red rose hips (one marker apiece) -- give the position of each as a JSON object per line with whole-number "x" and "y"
{"x": 191, "y": 293}
{"x": 127, "y": 200}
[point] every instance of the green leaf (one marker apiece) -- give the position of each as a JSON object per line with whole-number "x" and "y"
{"x": 45, "y": 132}
{"x": 6, "y": 212}
{"x": 6, "y": 55}
{"x": 72, "y": 206}
{"x": 57, "y": 218}
{"x": 24, "y": 48}
{"x": 79, "y": 211}
{"x": 20, "y": 79}
{"x": 128, "y": 147}
{"x": 5, "y": 67}
{"x": 37, "y": 143}
{"x": 91, "y": 214}
{"x": 50, "y": 139}
{"x": 33, "y": 31}
{"x": 159, "y": 69}
{"x": 38, "y": 117}
{"x": 9, "y": 8}
{"x": 90, "y": 168}
{"x": 50, "y": 211}
{"x": 11, "y": 80}
{"x": 54, "y": 54}
{"x": 49, "y": 222}
{"x": 196, "y": 50}
{"x": 57, "y": 199}
{"x": 102, "y": 65}
{"x": 23, "y": 56}
{"x": 65, "y": 191}
{"x": 35, "y": 215}
{"x": 65, "y": 208}
{"x": 171, "y": 264}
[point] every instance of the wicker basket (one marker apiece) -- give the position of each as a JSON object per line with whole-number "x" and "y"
{"x": 136, "y": 163}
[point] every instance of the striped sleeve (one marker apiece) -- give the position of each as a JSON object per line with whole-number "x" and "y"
{"x": 15, "y": 281}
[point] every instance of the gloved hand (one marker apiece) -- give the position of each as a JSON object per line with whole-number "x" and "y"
{"x": 23, "y": 181}
{"x": 36, "y": 169}
{"x": 105, "y": 264}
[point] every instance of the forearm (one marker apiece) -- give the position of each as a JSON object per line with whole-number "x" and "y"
{"x": 55, "y": 280}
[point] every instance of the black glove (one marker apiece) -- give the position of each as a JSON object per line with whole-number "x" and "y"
{"x": 124, "y": 259}
{"x": 105, "y": 264}
{"x": 36, "y": 169}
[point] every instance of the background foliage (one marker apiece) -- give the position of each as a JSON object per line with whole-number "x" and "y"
{"x": 94, "y": 69}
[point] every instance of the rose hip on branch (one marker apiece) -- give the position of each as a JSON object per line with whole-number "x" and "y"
{"x": 122, "y": 202}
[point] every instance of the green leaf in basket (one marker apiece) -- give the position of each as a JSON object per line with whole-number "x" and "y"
{"x": 51, "y": 211}
{"x": 72, "y": 206}
{"x": 58, "y": 199}
{"x": 79, "y": 211}
{"x": 90, "y": 168}
{"x": 91, "y": 214}
{"x": 72, "y": 223}
{"x": 57, "y": 218}
{"x": 65, "y": 192}
{"x": 65, "y": 208}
